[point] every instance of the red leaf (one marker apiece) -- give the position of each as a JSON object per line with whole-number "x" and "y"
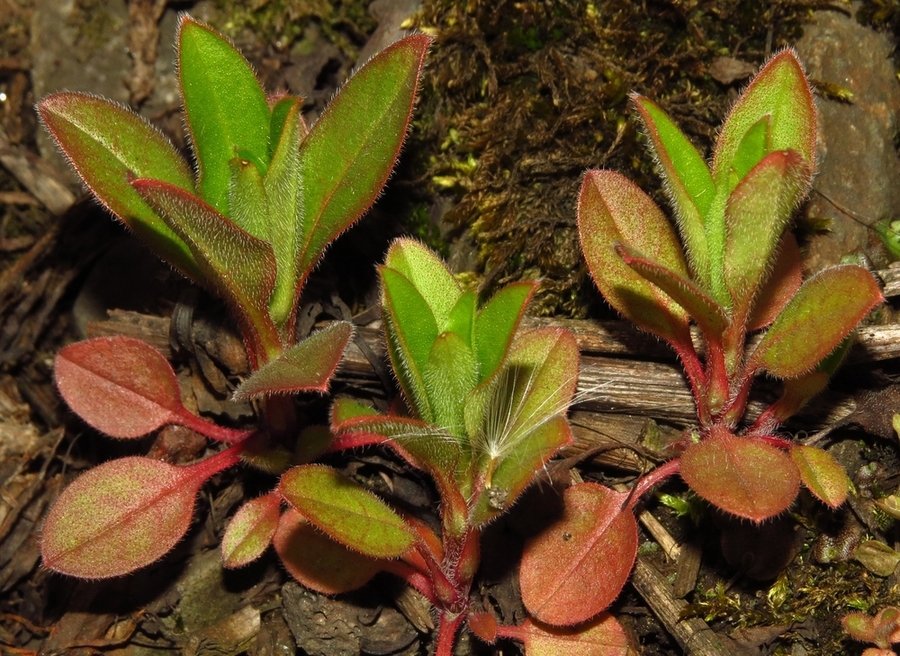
{"x": 603, "y": 636}
{"x": 119, "y": 385}
{"x": 578, "y": 566}
{"x": 317, "y": 561}
{"x": 250, "y": 531}
{"x": 744, "y": 476}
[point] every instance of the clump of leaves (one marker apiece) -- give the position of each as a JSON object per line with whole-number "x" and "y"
{"x": 269, "y": 195}
{"x": 735, "y": 271}
{"x": 882, "y": 630}
{"x": 485, "y": 410}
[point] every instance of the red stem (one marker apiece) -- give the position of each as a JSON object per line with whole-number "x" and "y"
{"x": 696, "y": 376}
{"x": 206, "y": 469}
{"x": 447, "y": 629}
{"x": 416, "y": 579}
{"x": 211, "y": 430}
{"x": 777, "y": 442}
{"x": 655, "y": 477}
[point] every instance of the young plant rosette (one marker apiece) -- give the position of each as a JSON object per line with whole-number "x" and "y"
{"x": 485, "y": 410}
{"x": 735, "y": 271}
{"x": 269, "y": 195}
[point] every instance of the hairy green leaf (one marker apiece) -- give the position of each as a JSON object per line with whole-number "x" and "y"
{"x": 250, "y": 531}
{"x": 821, "y": 474}
{"x": 496, "y": 324}
{"x": 429, "y": 275}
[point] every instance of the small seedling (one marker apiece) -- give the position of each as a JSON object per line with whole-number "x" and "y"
{"x": 882, "y": 630}
{"x": 485, "y": 410}
{"x": 269, "y": 195}
{"x": 735, "y": 271}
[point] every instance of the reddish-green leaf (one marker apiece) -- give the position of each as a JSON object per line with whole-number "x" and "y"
{"x": 822, "y": 313}
{"x": 757, "y": 214}
{"x": 603, "y": 636}
{"x": 239, "y": 266}
{"x": 708, "y": 314}
{"x": 250, "y": 531}
{"x": 317, "y": 561}
{"x": 225, "y": 108}
{"x": 744, "y": 476}
{"x": 577, "y": 567}
{"x": 119, "y": 385}
{"x": 821, "y": 474}
{"x": 611, "y": 209}
{"x": 350, "y": 151}
{"x": 123, "y": 515}
{"x": 107, "y": 145}
{"x": 780, "y": 285}
{"x": 428, "y": 274}
{"x": 308, "y": 366}
{"x": 346, "y": 511}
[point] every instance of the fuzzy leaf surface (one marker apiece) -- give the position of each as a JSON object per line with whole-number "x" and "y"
{"x": 822, "y": 313}
{"x": 821, "y": 474}
{"x": 317, "y": 561}
{"x": 225, "y": 108}
{"x": 611, "y": 209}
{"x": 428, "y": 274}
{"x": 350, "y": 151}
{"x": 757, "y": 213}
{"x": 744, "y": 476}
{"x": 603, "y": 636}
{"x": 496, "y": 324}
{"x": 779, "y": 286}
{"x": 107, "y": 145}
{"x": 576, "y": 568}
{"x": 239, "y": 266}
{"x": 250, "y": 531}
{"x": 119, "y": 385}
{"x": 118, "y": 517}
{"x": 345, "y": 511}
{"x": 689, "y": 183}
{"x": 307, "y": 366}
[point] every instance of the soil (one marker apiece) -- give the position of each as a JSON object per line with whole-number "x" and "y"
{"x": 519, "y": 99}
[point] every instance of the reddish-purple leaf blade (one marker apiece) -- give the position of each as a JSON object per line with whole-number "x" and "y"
{"x": 250, "y": 531}
{"x": 240, "y": 266}
{"x": 577, "y": 567}
{"x": 603, "y": 636}
{"x": 822, "y": 313}
{"x": 821, "y": 474}
{"x": 612, "y": 210}
{"x": 744, "y": 476}
{"x": 119, "y": 385}
{"x": 306, "y": 367}
{"x": 317, "y": 561}
{"x": 119, "y": 517}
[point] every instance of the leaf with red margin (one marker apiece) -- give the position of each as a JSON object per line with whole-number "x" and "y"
{"x": 317, "y": 561}
{"x": 821, "y": 474}
{"x": 250, "y": 531}
{"x": 119, "y": 385}
{"x": 603, "y": 636}
{"x": 611, "y": 210}
{"x": 780, "y": 286}
{"x": 579, "y": 565}
{"x": 744, "y": 476}
{"x": 821, "y": 314}
{"x": 124, "y": 514}
{"x": 346, "y": 511}
{"x": 305, "y": 367}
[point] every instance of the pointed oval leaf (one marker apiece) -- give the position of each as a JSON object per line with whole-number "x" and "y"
{"x": 119, "y": 517}
{"x": 240, "y": 267}
{"x": 688, "y": 181}
{"x": 603, "y": 636}
{"x": 250, "y": 531}
{"x": 780, "y": 92}
{"x": 428, "y": 274}
{"x": 779, "y": 286}
{"x": 108, "y": 145}
{"x": 350, "y": 151}
{"x": 346, "y": 511}
{"x": 744, "y": 476}
{"x": 496, "y": 324}
{"x": 317, "y": 561}
{"x": 119, "y": 385}
{"x": 821, "y": 474}
{"x": 709, "y": 315}
{"x": 758, "y": 212}
{"x": 449, "y": 374}
{"x": 225, "y": 108}
{"x": 306, "y": 367}
{"x": 576, "y": 568}
{"x": 822, "y": 313}
{"x": 611, "y": 209}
